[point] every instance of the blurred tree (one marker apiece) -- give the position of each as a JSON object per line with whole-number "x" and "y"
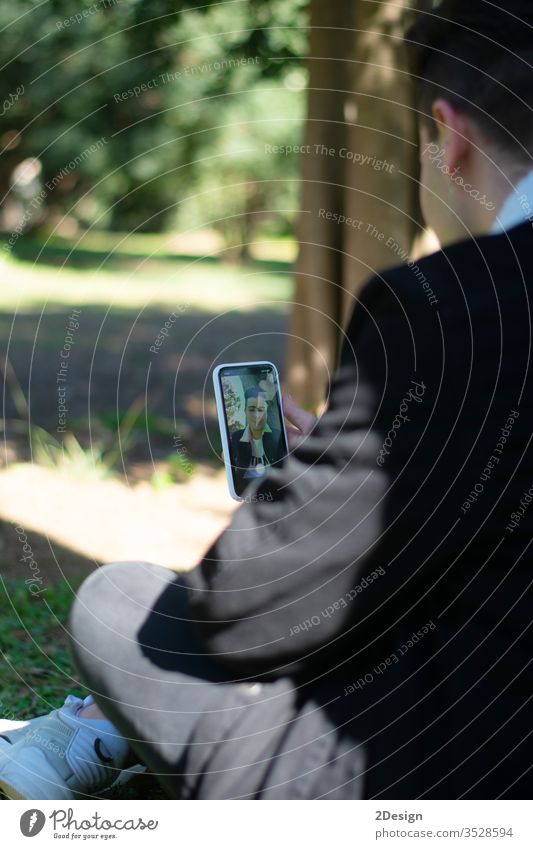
{"x": 362, "y": 164}
{"x": 252, "y": 179}
{"x": 124, "y": 102}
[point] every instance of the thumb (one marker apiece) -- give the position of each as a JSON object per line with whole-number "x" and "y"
{"x": 303, "y": 420}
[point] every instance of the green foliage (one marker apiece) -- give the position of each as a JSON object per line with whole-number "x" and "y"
{"x": 70, "y": 457}
{"x": 178, "y": 469}
{"x": 37, "y": 668}
{"x": 245, "y": 185}
{"x": 180, "y": 466}
{"x": 125, "y": 104}
{"x": 95, "y": 462}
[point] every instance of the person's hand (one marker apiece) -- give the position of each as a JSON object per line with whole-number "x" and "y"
{"x": 301, "y": 423}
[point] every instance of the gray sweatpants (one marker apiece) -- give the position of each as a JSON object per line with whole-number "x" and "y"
{"x": 203, "y": 733}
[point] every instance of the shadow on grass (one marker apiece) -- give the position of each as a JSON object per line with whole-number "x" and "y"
{"x": 36, "y": 667}
{"x": 119, "y": 357}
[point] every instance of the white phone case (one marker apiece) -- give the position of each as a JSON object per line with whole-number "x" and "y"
{"x": 222, "y": 415}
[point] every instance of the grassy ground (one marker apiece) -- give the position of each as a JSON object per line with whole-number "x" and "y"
{"x": 119, "y": 271}
{"x": 125, "y": 289}
{"x": 37, "y": 668}
{"x": 124, "y": 299}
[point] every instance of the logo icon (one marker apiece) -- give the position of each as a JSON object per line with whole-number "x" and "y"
{"x": 32, "y": 822}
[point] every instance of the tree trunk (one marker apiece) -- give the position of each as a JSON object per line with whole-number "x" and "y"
{"x": 361, "y": 162}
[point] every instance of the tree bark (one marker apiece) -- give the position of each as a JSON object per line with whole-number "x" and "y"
{"x": 361, "y": 162}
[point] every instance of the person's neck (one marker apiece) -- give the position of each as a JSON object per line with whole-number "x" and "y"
{"x": 501, "y": 202}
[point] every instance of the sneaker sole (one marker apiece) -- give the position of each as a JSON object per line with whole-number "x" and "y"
{"x": 10, "y": 792}
{"x": 31, "y": 777}
{"x": 16, "y": 787}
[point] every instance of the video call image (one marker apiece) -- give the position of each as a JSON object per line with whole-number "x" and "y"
{"x": 254, "y": 421}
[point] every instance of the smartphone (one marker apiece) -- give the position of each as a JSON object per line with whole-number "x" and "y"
{"x": 252, "y": 426}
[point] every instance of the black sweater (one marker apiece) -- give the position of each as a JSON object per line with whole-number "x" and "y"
{"x": 419, "y": 474}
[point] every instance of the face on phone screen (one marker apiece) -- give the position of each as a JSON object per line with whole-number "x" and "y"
{"x": 253, "y": 420}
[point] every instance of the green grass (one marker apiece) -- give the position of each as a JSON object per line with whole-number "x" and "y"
{"x": 185, "y": 283}
{"x": 135, "y": 280}
{"x": 280, "y": 249}
{"x": 37, "y": 670}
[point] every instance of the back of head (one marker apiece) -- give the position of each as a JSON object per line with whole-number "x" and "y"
{"x": 478, "y": 55}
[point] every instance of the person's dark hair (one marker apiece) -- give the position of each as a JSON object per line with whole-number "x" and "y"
{"x": 478, "y": 55}
{"x": 254, "y": 392}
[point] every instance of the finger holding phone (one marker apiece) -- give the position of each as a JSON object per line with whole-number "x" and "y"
{"x": 301, "y": 422}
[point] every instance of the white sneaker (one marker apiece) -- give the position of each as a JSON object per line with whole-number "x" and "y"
{"x": 61, "y": 755}
{"x": 8, "y": 725}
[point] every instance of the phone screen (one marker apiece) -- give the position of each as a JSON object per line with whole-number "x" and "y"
{"x": 254, "y": 421}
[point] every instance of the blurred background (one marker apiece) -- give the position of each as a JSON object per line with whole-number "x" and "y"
{"x": 181, "y": 184}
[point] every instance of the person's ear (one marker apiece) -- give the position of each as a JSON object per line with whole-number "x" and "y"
{"x": 453, "y": 133}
